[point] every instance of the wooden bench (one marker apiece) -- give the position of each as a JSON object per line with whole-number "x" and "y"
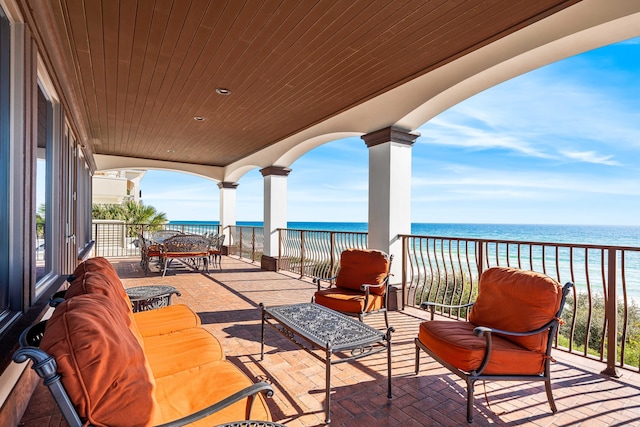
{"x": 106, "y": 365}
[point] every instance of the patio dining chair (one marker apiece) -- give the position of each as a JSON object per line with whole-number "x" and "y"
{"x": 508, "y": 335}
{"x": 188, "y": 247}
{"x": 160, "y": 236}
{"x": 148, "y": 251}
{"x": 360, "y": 287}
{"x": 215, "y": 250}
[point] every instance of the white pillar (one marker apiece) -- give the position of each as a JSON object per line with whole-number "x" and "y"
{"x": 275, "y": 212}
{"x": 390, "y": 191}
{"x": 227, "y": 208}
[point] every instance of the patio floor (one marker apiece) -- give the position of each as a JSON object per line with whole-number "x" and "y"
{"x": 228, "y": 300}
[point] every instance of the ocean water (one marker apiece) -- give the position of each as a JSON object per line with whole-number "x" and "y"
{"x": 587, "y": 265}
{"x": 577, "y": 234}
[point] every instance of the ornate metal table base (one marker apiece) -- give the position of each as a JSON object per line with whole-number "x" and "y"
{"x": 330, "y": 331}
{"x": 150, "y": 297}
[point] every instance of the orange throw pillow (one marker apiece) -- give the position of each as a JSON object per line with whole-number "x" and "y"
{"x": 517, "y": 300}
{"x": 362, "y": 267}
{"x": 103, "y": 367}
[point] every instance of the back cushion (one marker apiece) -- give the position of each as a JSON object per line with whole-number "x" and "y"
{"x": 93, "y": 264}
{"x": 101, "y": 283}
{"x": 517, "y": 300}
{"x": 362, "y": 267}
{"x": 103, "y": 368}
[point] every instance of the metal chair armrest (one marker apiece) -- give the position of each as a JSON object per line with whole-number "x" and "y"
{"x": 366, "y": 287}
{"x": 428, "y": 304}
{"x": 318, "y": 280}
{"x": 481, "y": 330}
{"x": 248, "y": 392}
{"x": 46, "y": 367}
{"x": 32, "y": 335}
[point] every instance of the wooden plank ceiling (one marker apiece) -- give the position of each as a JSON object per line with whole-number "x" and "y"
{"x": 142, "y": 70}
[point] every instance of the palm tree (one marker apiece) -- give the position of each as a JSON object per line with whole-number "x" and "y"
{"x": 138, "y": 213}
{"x": 107, "y": 212}
{"x": 133, "y": 214}
{"x": 40, "y": 221}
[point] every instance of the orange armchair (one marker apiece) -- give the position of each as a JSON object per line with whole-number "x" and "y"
{"x": 508, "y": 335}
{"x": 360, "y": 288}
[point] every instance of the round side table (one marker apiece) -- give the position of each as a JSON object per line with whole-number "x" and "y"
{"x": 150, "y": 297}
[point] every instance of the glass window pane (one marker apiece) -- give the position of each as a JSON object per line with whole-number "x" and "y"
{"x": 43, "y": 178}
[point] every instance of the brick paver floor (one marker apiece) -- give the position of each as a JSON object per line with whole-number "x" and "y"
{"x": 227, "y": 301}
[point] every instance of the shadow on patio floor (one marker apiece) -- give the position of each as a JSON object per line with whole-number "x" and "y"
{"x": 228, "y": 301}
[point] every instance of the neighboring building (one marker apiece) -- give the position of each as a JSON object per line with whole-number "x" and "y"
{"x": 116, "y": 186}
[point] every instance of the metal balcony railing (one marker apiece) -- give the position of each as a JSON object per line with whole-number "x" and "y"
{"x": 116, "y": 239}
{"x": 246, "y": 242}
{"x": 315, "y": 253}
{"x": 602, "y": 315}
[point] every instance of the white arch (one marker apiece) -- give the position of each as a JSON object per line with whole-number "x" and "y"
{"x": 106, "y": 162}
{"x": 586, "y": 25}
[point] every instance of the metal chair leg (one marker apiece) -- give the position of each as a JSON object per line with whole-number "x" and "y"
{"x": 469, "y": 400}
{"x": 552, "y": 403}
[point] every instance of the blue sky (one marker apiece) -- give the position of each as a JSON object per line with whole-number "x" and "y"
{"x": 559, "y": 145}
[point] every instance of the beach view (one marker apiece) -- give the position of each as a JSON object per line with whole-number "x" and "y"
{"x": 319, "y": 213}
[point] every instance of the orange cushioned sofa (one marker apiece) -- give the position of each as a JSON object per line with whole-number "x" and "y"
{"x": 120, "y": 368}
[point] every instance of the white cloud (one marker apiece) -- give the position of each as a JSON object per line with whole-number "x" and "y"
{"x": 494, "y": 182}
{"x": 443, "y": 132}
{"x": 540, "y": 112}
{"x": 591, "y": 157}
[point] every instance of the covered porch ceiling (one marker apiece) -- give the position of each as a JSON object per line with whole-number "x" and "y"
{"x": 140, "y": 79}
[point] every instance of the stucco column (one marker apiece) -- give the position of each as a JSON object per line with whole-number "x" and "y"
{"x": 275, "y": 212}
{"x": 390, "y": 191}
{"x": 227, "y": 208}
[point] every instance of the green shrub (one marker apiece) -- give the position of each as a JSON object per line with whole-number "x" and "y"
{"x": 593, "y": 327}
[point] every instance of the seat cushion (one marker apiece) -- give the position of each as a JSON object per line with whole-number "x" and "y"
{"x": 347, "y": 301}
{"x": 103, "y": 367}
{"x": 455, "y": 343}
{"x": 185, "y": 254}
{"x": 191, "y": 390}
{"x": 181, "y": 350}
{"x": 519, "y": 301}
{"x": 165, "y": 320}
{"x": 362, "y": 267}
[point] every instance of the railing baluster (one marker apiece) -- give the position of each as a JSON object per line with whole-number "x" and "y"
{"x": 611, "y": 316}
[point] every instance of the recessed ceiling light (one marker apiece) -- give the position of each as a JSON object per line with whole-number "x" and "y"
{"x": 223, "y": 91}
{"x": 198, "y": 119}
{"x": 171, "y": 151}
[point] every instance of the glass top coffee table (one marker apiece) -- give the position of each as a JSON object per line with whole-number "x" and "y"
{"x": 312, "y": 326}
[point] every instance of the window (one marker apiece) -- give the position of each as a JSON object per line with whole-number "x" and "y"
{"x": 43, "y": 188}
{"x": 4, "y": 161}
